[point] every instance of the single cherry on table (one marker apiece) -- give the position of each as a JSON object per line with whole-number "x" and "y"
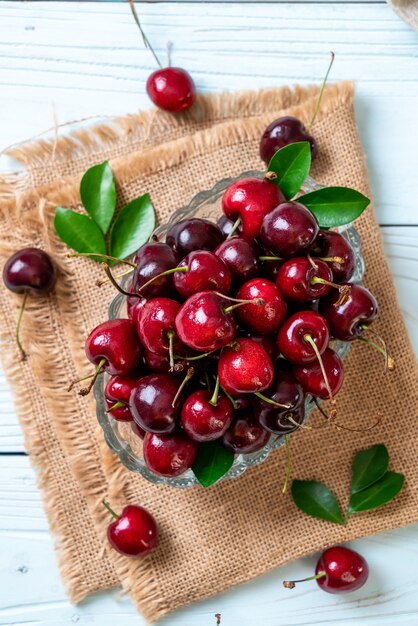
{"x": 282, "y": 132}
{"x": 134, "y": 532}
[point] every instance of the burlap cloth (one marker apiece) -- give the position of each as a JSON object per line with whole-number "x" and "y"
{"x": 210, "y": 539}
{"x": 407, "y": 10}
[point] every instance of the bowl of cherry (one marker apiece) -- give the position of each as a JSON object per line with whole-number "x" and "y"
{"x": 231, "y": 328}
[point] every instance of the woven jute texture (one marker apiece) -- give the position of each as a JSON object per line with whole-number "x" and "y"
{"x": 210, "y": 539}
{"x": 407, "y": 10}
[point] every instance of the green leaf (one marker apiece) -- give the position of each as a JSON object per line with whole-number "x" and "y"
{"x": 291, "y": 164}
{"x": 369, "y": 466}
{"x": 213, "y": 461}
{"x": 378, "y": 494}
{"x": 79, "y": 232}
{"x": 335, "y": 206}
{"x": 132, "y": 227}
{"x": 98, "y": 194}
{"x": 317, "y": 500}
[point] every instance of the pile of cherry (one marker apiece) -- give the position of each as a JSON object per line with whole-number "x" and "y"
{"x": 229, "y": 328}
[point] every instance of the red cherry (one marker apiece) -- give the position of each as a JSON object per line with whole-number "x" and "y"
{"x": 332, "y": 245}
{"x": 151, "y": 403}
{"x": 134, "y": 307}
{"x": 29, "y": 270}
{"x": 292, "y": 339}
{"x": 160, "y": 364}
{"x": 282, "y": 132}
{"x": 284, "y": 390}
{"x": 153, "y": 259}
{"x": 169, "y": 455}
{"x": 171, "y": 89}
{"x": 134, "y": 532}
{"x": 245, "y": 368}
{"x": 205, "y": 272}
{"x": 311, "y": 377}
{"x": 156, "y": 323}
{"x": 288, "y": 229}
{"x": 264, "y": 319}
{"x": 117, "y": 393}
{"x": 193, "y": 234}
{"x": 300, "y": 280}
{"x": 349, "y": 320}
{"x": 139, "y": 432}
{"x": 204, "y": 421}
{"x": 251, "y": 199}
{"x": 116, "y": 344}
{"x": 245, "y": 435}
{"x": 268, "y": 342}
{"x": 240, "y": 257}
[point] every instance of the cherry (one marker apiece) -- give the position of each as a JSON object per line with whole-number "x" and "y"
{"x": 282, "y": 132}
{"x": 338, "y": 253}
{"x": 285, "y": 390}
{"x": 134, "y": 307}
{"x": 203, "y": 324}
{"x": 139, "y": 432}
{"x": 160, "y": 364}
{"x": 153, "y": 259}
{"x": 171, "y": 89}
{"x": 297, "y": 334}
{"x": 312, "y": 378}
{"x": 339, "y": 570}
{"x": 169, "y": 455}
{"x": 349, "y": 320}
{"x": 28, "y": 271}
{"x": 267, "y": 341}
{"x": 226, "y": 225}
{"x": 264, "y": 319}
{"x": 250, "y": 200}
{"x": 153, "y": 403}
{"x": 201, "y": 270}
{"x": 193, "y": 234}
{"x": 301, "y": 280}
{"x": 288, "y": 229}
{"x": 245, "y": 435}
{"x": 117, "y": 393}
{"x": 245, "y": 368}
{"x": 156, "y": 327}
{"x": 240, "y": 257}
{"x": 205, "y": 417}
{"x": 134, "y": 532}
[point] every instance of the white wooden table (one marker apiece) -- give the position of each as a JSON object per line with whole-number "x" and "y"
{"x": 76, "y": 59}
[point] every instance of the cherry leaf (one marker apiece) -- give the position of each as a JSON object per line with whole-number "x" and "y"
{"x": 213, "y": 461}
{"x": 291, "y": 164}
{"x": 369, "y": 466}
{"x": 132, "y": 227}
{"x": 98, "y": 194}
{"x": 335, "y": 206}
{"x": 79, "y": 232}
{"x": 378, "y": 494}
{"x": 317, "y": 500}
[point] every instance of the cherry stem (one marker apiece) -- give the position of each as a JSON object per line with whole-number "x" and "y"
{"x": 23, "y": 354}
{"x": 170, "y": 335}
{"x": 290, "y": 584}
{"x": 314, "y": 347}
{"x": 236, "y": 225}
{"x": 270, "y": 176}
{"x": 230, "y": 398}
{"x": 270, "y": 401}
{"x": 183, "y": 268}
{"x": 288, "y": 463}
{"x": 321, "y": 93}
{"x": 189, "y": 374}
{"x": 116, "y": 285}
{"x": 117, "y": 405}
{"x": 144, "y": 37}
{"x": 195, "y": 358}
{"x": 256, "y": 301}
{"x": 331, "y": 419}
{"x": 102, "y": 281}
{"x": 332, "y": 259}
{"x": 111, "y": 511}
{"x": 389, "y": 361}
{"x": 214, "y": 398}
{"x": 270, "y": 258}
{"x": 86, "y": 390}
{"x": 344, "y": 290}
{"x": 294, "y": 422}
{"x": 101, "y": 256}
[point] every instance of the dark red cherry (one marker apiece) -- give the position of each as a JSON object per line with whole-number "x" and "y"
{"x": 115, "y": 344}
{"x": 171, "y": 89}
{"x": 205, "y": 272}
{"x": 301, "y": 280}
{"x": 160, "y": 364}
{"x": 204, "y": 421}
{"x": 292, "y": 339}
{"x": 347, "y": 321}
{"x": 153, "y": 259}
{"x": 267, "y": 341}
{"x": 266, "y": 318}
{"x": 226, "y": 225}
{"x": 117, "y": 392}
{"x": 245, "y": 435}
{"x": 285, "y": 390}
{"x": 151, "y": 403}
{"x": 202, "y": 323}
{"x": 169, "y": 455}
{"x": 331, "y": 245}
{"x": 139, "y": 432}
{"x": 134, "y": 532}
{"x": 288, "y": 229}
{"x": 29, "y": 270}
{"x": 245, "y": 368}
{"x": 311, "y": 377}
{"x": 240, "y": 256}
{"x": 282, "y": 132}
{"x": 134, "y": 307}
{"x": 251, "y": 199}
{"x": 193, "y": 234}
{"x": 156, "y": 323}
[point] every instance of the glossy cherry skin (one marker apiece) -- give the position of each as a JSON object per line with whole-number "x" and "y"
{"x": 265, "y": 318}
{"x": 153, "y": 259}
{"x": 117, "y": 342}
{"x": 251, "y": 199}
{"x": 240, "y": 256}
{"x": 282, "y": 132}
{"x": 119, "y": 389}
{"x": 226, "y": 225}
{"x": 29, "y": 270}
{"x": 245, "y": 435}
{"x": 345, "y": 569}
{"x": 151, "y": 403}
{"x": 169, "y": 455}
{"x": 291, "y": 339}
{"x": 284, "y": 390}
{"x": 329, "y": 244}
{"x": 207, "y": 272}
{"x": 134, "y": 533}
{"x": 310, "y": 375}
{"x": 288, "y": 229}
{"x": 202, "y": 324}
{"x": 245, "y": 368}
{"x": 134, "y": 307}
{"x": 171, "y": 89}
{"x": 193, "y": 234}
{"x": 139, "y": 432}
{"x": 204, "y": 421}
{"x": 346, "y": 320}
{"x": 160, "y": 364}
{"x": 295, "y": 279}
{"x": 156, "y": 321}
{"x": 268, "y": 342}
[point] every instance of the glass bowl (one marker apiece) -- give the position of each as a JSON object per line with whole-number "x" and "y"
{"x": 119, "y": 435}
